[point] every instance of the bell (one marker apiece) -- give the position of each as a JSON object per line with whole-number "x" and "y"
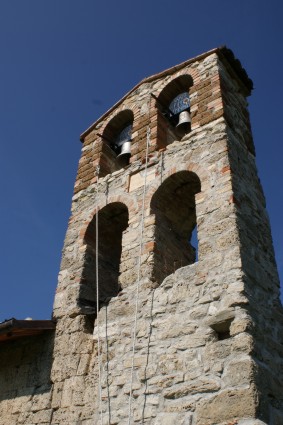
{"x": 184, "y": 120}
{"x": 125, "y": 150}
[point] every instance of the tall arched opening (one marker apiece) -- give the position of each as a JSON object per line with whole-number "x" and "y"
{"x": 112, "y": 222}
{"x": 173, "y": 205}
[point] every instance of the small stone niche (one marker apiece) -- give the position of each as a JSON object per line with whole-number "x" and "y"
{"x": 221, "y": 326}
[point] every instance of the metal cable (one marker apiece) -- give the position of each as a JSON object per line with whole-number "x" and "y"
{"x": 97, "y": 300}
{"x": 138, "y": 276}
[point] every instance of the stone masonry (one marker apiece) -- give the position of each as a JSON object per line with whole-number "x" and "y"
{"x": 206, "y": 322}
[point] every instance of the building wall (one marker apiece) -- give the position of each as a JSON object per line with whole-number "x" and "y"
{"x": 25, "y": 390}
{"x": 206, "y": 332}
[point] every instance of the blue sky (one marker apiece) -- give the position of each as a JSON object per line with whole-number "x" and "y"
{"x": 63, "y": 64}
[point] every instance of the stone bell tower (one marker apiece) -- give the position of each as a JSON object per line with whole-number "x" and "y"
{"x": 150, "y": 327}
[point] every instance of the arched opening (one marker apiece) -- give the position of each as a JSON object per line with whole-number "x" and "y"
{"x": 117, "y": 135}
{"x": 173, "y": 205}
{"x": 112, "y": 222}
{"x": 173, "y": 105}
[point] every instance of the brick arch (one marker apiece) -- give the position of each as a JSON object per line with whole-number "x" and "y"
{"x": 117, "y": 121}
{"x": 133, "y": 109}
{"x": 109, "y": 161}
{"x": 197, "y": 169}
{"x": 200, "y": 171}
{"x": 125, "y": 199}
{"x": 175, "y": 85}
{"x": 169, "y": 127}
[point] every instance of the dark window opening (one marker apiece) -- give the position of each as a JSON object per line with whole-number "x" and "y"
{"x": 112, "y": 222}
{"x": 117, "y": 136}
{"x": 222, "y": 329}
{"x": 173, "y": 205}
{"x": 223, "y": 335}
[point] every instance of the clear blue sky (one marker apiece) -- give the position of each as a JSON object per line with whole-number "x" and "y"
{"x": 63, "y": 64}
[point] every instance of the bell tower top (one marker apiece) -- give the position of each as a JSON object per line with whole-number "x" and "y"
{"x": 195, "y": 87}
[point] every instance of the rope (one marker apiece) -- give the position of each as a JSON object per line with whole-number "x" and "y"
{"x": 97, "y": 300}
{"x": 138, "y": 277}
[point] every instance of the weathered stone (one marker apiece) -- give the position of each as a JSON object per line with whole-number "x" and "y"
{"x": 165, "y": 381}
{"x": 228, "y": 405}
{"x": 239, "y": 372}
{"x": 192, "y": 342}
{"x": 173, "y": 419}
{"x": 181, "y": 405}
{"x": 193, "y": 387}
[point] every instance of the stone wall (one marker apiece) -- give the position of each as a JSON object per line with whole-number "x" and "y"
{"x": 260, "y": 277}
{"x": 206, "y": 333}
{"x": 25, "y": 390}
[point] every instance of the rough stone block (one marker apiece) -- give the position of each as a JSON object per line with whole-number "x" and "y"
{"x": 239, "y": 372}
{"x": 202, "y": 385}
{"x": 228, "y": 405}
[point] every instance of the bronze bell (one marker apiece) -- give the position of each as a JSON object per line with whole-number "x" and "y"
{"x": 184, "y": 120}
{"x": 125, "y": 150}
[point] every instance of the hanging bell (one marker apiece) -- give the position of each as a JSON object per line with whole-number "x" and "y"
{"x": 125, "y": 150}
{"x": 184, "y": 120}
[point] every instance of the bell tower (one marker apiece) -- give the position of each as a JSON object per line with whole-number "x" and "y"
{"x": 156, "y": 326}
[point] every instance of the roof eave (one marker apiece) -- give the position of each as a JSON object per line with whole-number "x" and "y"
{"x": 14, "y": 329}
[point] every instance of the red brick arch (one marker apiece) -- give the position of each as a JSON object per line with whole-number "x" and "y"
{"x": 175, "y": 85}
{"x": 200, "y": 171}
{"x": 119, "y": 110}
{"x": 125, "y": 199}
